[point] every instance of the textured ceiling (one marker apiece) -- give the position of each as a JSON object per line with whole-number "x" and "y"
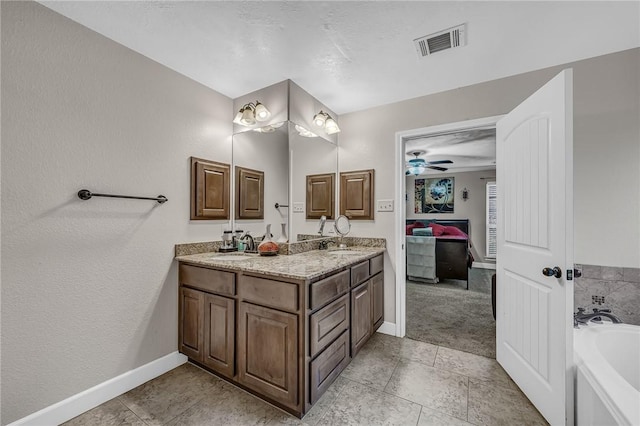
{"x": 470, "y": 150}
{"x": 356, "y": 55}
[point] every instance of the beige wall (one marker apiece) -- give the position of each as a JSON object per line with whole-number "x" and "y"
{"x": 89, "y": 287}
{"x": 473, "y": 209}
{"x": 607, "y": 152}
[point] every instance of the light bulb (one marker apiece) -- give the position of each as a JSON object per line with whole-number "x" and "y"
{"x": 247, "y": 117}
{"x": 331, "y": 126}
{"x": 238, "y": 117}
{"x": 319, "y": 119}
{"x": 261, "y": 112}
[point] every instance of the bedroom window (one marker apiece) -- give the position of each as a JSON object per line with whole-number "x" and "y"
{"x": 492, "y": 239}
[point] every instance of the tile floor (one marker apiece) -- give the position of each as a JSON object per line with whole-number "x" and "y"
{"x": 391, "y": 381}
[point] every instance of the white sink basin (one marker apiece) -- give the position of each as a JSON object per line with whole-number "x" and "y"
{"x": 345, "y": 252}
{"x": 229, "y": 257}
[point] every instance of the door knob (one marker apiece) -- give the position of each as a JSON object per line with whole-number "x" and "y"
{"x": 552, "y": 272}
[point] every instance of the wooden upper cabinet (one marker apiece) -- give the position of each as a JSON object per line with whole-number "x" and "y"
{"x": 249, "y": 193}
{"x": 356, "y": 194}
{"x": 321, "y": 196}
{"x": 210, "y": 189}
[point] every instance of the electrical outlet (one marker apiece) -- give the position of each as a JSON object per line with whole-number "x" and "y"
{"x": 385, "y": 205}
{"x": 298, "y": 207}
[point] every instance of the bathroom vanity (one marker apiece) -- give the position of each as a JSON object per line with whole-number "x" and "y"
{"x": 281, "y": 327}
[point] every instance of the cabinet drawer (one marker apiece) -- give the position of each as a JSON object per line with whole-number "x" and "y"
{"x": 359, "y": 273}
{"x": 327, "y": 289}
{"x": 271, "y": 293}
{"x": 328, "y": 365}
{"x": 376, "y": 264}
{"x": 208, "y": 279}
{"x": 328, "y": 323}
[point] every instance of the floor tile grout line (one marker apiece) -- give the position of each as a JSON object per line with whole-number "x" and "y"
{"x": 420, "y": 414}
{"x": 468, "y": 396}
{"x": 436, "y": 356}
{"x": 131, "y": 411}
{"x": 395, "y": 368}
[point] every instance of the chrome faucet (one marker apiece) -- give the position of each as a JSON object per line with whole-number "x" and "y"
{"x": 251, "y": 244}
{"x": 581, "y": 317}
{"x": 324, "y": 245}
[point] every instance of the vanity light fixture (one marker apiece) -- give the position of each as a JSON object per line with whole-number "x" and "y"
{"x": 250, "y": 113}
{"x": 322, "y": 119}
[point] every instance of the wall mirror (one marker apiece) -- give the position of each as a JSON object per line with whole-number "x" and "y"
{"x": 286, "y": 157}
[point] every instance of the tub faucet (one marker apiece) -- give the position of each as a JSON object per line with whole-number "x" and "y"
{"x": 583, "y": 318}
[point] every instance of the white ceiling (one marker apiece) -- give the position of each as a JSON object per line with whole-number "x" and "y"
{"x": 470, "y": 150}
{"x": 356, "y": 55}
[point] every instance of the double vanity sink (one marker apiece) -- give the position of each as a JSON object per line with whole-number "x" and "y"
{"x": 282, "y": 327}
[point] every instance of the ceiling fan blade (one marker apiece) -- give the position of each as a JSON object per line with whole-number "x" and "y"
{"x": 442, "y": 169}
{"x": 440, "y": 162}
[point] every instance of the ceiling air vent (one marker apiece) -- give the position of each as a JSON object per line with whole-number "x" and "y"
{"x": 442, "y": 40}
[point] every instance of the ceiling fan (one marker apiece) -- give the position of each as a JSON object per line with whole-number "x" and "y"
{"x": 417, "y": 166}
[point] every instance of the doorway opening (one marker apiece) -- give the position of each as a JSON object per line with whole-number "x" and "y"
{"x": 445, "y": 299}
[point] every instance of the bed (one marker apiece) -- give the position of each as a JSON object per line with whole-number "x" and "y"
{"x": 452, "y": 255}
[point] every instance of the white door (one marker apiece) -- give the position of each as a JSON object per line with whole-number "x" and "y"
{"x": 535, "y": 234}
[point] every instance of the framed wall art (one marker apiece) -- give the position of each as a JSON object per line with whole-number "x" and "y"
{"x": 434, "y": 195}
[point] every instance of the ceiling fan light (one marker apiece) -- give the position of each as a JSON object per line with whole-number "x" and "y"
{"x": 248, "y": 118}
{"x": 331, "y": 126}
{"x": 416, "y": 170}
{"x": 261, "y": 112}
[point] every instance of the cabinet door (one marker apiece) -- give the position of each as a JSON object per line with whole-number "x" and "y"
{"x": 360, "y": 316}
{"x": 210, "y": 183}
{"x": 268, "y": 352}
{"x": 356, "y": 194}
{"x": 191, "y": 323}
{"x": 321, "y": 196}
{"x": 249, "y": 193}
{"x": 377, "y": 301}
{"x": 219, "y": 334}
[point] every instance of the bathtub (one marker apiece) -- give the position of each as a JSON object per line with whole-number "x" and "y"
{"x": 607, "y": 367}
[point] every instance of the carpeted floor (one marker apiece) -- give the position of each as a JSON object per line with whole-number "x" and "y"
{"x": 446, "y": 314}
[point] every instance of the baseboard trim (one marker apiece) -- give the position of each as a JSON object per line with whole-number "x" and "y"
{"x": 77, "y": 404}
{"x": 484, "y": 265}
{"x": 387, "y": 328}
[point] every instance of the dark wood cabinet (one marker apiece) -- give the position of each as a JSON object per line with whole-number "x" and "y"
{"x": 249, "y": 193}
{"x": 268, "y": 352}
{"x": 207, "y": 329}
{"x": 377, "y": 301}
{"x": 360, "y": 316}
{"x": 357, "y": 194}
{"x": 210, "y": 189}
{"x": 219, "y": 334}
{"x": 283, "y": 339}
{"x": 321, "y": 196}
{"x": 191, "y": 330}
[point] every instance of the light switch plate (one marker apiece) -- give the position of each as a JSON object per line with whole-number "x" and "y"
{"x": 385, "y": 205}
{"x": 298, "y": 207}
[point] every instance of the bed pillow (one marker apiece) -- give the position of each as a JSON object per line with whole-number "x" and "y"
{"x": 423, "y": 232}
{"x": 437, "y": 229}
{"x": 452, "y": 230}
{"x": 412, "y": 226}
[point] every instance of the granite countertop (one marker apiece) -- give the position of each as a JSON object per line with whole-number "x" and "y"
{"x": 306, "y": 266}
